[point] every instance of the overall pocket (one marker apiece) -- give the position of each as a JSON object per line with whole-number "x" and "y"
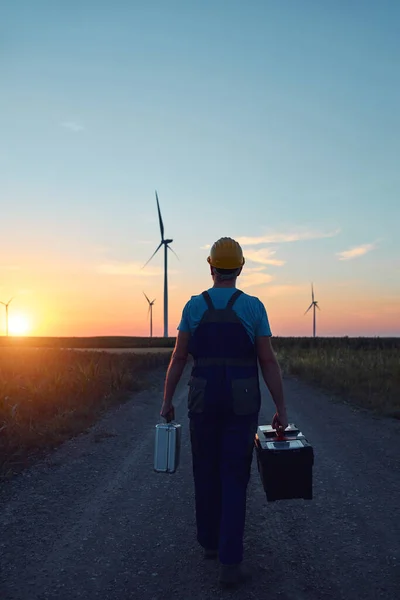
{"x": 246, "y": 396}
{"x": 197, "y": 387}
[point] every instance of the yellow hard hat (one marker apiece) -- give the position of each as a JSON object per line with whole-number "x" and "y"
{"x": 226, "y": 254}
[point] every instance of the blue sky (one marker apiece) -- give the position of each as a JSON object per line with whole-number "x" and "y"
{"x": 256, "y": 120}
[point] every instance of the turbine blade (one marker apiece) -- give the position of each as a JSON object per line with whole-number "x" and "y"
{"x": 155, "y": 252}
{"x": 146, "y": 298}
{"x": 153, "y": 301}
{"x": 308, "y": 309}
{"x": 173, "y": 251}
{"x": 312, "y": 292}
{"x": 317, "y": 306}
{"x": 160, "y": 219}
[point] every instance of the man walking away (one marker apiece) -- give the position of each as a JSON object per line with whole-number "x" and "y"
{"x": 227, "y": 332}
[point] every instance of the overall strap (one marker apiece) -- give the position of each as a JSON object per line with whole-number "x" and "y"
{"x": 208, "y": 300}
{"x": 233, "y": 299}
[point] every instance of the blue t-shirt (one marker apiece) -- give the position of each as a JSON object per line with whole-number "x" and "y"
{"x": 250, "y": 310}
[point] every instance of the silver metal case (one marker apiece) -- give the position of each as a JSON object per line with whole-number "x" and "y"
{"x": 167, "y": 447}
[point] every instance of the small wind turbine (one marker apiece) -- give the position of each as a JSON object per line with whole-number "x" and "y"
{"x": 314, "y": 305}
{"x": 151, "y": 313}
{"x": 166, "y": 245}
{"x": 7, "y": 304}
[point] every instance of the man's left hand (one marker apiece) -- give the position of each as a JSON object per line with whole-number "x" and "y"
{"x": 168, "y": 411}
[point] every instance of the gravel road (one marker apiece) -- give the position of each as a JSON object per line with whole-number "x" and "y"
{"x": 93, "y": 521}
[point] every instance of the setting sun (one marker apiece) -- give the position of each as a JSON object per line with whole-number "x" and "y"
{"x": 18, "y": 325}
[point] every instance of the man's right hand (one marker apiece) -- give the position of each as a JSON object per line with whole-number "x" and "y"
{"x": 280, "y": 421}
{"x": 167, "y": 411}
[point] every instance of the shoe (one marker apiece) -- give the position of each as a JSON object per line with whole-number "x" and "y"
{"x": 233, "y": 575}
{"x": 210, "y": 554}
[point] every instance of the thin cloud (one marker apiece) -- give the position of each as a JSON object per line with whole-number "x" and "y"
{"x": 283, "y": 290}
{"x": 72, "y": 126}
{"x": 253, "y": 279}
{"x": 278, "y": 238}
{"x": 129, "y": 268}
{"x": 263, "y": 256}
{"x": 206, "y": 247}
{"x": 253, "y": 269}
{"x": 132, "y": 268}
{"x": 355, "y": 252}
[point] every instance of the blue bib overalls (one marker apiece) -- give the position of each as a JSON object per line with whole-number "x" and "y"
{"x": 223, "y": 405}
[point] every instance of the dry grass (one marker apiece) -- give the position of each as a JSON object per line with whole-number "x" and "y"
{"x": 49, "y": 395}
{"x": 103, "y": 342}
{"x": 124, "y": 350}
{"x": 363, "y": 371}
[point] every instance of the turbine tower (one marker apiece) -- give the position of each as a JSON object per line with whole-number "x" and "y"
{"x": 151, "y": 313}
{"x": 166, "y": 245}
{"x": 314, "y": 305}
{"x": 6, "y": 304}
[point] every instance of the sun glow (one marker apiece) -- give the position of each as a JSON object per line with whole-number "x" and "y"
{"x": 18, "y": 325}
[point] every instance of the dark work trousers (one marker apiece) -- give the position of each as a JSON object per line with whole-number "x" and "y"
{"x": 222, "y": 450}
{"x": 223, "y": 405}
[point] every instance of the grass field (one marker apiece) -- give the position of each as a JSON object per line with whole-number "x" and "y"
{"x": 87, "y": 342}
{"x": 49, "y": 395}
{"x": 139, "y": 351}
{"x": 363, "y": 371}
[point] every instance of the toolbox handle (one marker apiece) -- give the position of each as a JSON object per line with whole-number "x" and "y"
{"x": 168, "y": 423}
{"x": 280, "y": 435}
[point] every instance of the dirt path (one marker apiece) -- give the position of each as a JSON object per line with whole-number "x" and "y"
{"x": 94, "y": 520}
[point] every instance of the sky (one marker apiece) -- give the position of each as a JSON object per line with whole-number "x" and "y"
{"x": 272, "y": 122}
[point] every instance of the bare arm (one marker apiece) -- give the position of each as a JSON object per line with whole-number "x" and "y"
{"x": 271, "y": 374}
{"x": 176, "y": 365}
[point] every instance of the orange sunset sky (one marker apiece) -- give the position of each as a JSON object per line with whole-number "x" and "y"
{"x": 277, "y": 127}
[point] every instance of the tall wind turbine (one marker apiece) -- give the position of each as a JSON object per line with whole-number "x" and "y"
{"x": 151, "y": 313}
{"x": 314, "y": 305}
{"x": 7, "y": 304}
{"x": 166, "y": 245}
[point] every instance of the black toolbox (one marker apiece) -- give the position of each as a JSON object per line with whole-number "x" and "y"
{"x": 285, "y": 463}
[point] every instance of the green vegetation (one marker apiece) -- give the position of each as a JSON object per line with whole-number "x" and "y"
{"x": 363, "y": 371}
{"x": 50, "y": 395}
